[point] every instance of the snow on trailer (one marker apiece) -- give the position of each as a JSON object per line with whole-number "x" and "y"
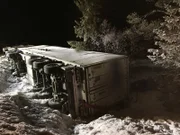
{"x": 83, "y": 82}
{"x": 67, "y": 55}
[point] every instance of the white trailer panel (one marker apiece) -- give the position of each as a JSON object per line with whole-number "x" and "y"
{"x": 103, "y": 84}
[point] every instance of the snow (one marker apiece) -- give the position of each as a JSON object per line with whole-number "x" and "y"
{"x": 22, "y": 115}
{"x": 34, "y": 117}
{"x": 83, "y": 58}
{"x": 151, "y": 112}
{"x": 109, "y": 125}
{"x": 4, "y": 73}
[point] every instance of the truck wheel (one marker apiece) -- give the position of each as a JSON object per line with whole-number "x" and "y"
{"x": 39, "y": 63}
{"x": 30, "y": 61}
{"x": 11, "y": 55}
{"x": 14, "y": 55}
{"x": 54, "y": 105}
{"x": 52, "y": 68}
{"x": 63, "y": 96}
{"x": 18, "y": 57}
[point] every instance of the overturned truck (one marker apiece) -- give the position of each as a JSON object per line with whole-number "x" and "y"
{"x": 82, "y": 83}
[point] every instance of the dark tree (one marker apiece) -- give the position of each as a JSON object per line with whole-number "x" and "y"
{"x": 168, "y": 37}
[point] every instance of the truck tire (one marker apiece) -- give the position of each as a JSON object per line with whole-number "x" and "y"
{"x": 39, "y": 63}
{"x": 12, "y": 55}
{"x": 54, "y": 105}
{"x": 52, "y": 68}
{"x": 64, "y": 96}
{"x": 18, "y": 57}
{"x": 30, "y": 61}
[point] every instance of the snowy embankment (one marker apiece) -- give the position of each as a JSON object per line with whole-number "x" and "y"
{"x": 109, "y": 125}
{"x": 21, "y": 115}
{"x": 154, "y": 108}
{"x": 151, "y": 112}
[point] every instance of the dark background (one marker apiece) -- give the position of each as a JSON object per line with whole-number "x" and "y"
{"x": 51, "y": 22}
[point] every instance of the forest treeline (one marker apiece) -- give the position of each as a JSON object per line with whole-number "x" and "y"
{"x": 154, "y": 32}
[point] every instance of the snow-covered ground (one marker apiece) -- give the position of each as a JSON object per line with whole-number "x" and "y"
{"x": 154, "y": 111}
{"x": 22, "y": 115}
{"x": 109, "y": 125}
{"x": 154, "y": 108}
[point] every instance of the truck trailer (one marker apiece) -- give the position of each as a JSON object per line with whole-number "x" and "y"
{"x": 83, "y": 82}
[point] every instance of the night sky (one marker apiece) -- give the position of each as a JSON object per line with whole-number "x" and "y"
{"x": 37, "y": 22}
{"x": 51, "y": 22}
